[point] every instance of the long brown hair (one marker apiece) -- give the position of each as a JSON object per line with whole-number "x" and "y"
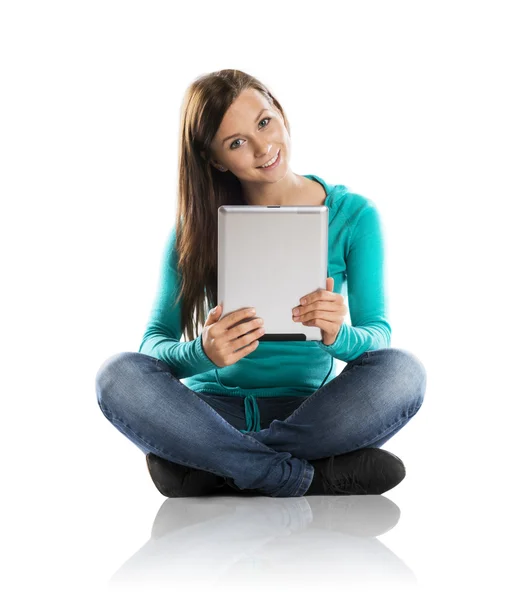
{"x": 202, "y": 189}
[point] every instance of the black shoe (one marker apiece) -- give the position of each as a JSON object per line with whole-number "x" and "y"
{"x": 177, "y": 481}
{"x": 364, "y": 471}
{"x": 230, "y": 488}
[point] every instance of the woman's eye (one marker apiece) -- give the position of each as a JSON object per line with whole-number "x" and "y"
{"x": 233, "y": 147}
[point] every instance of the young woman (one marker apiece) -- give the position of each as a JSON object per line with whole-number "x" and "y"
{"x": 270, "y": 418}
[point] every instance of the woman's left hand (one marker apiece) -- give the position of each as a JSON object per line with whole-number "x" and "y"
{"x": 324, "y": 309}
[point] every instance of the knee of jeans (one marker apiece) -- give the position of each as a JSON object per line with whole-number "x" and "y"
{"x": 409, "y": 372}
{"x": 417, "y": 374}
{"x": 108, "y": 372}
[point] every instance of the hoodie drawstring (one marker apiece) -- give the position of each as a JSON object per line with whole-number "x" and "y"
{"x": 252, "y": 414}
{"x": 251, "y": 407}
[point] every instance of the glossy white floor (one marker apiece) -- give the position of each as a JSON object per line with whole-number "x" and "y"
{"x": 85, "y": 518}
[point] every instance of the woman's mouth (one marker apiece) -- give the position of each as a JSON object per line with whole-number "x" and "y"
{"x": 272, "y": 165}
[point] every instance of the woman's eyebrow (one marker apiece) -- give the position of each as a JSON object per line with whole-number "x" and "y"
{"x": 235, "y": 134}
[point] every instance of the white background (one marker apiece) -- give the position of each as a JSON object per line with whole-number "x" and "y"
{"x": 415, "y": 105}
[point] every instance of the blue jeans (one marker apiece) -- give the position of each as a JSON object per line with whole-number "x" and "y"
{"x": 366, "y": 404}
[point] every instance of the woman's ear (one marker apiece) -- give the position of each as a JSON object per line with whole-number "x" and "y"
{"x": 210, "y": 161}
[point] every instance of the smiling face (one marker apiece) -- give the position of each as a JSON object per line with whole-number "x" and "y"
{"x": 250, "y": 134}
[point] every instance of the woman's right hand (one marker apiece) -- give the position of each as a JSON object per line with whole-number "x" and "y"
{"x": 227, "y": 341}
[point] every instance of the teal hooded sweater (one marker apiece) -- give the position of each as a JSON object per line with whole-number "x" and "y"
{"x": 356, "y": 263}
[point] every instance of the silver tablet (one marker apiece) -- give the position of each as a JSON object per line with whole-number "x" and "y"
{"x": 268, "y": 258}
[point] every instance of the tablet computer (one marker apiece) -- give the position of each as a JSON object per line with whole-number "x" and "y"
{"x": 268, "y": 258}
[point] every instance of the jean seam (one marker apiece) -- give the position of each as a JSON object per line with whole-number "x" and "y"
{"x": 305, "y": 481}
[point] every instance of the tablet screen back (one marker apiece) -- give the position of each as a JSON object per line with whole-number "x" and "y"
{"x": 268, "y": 258}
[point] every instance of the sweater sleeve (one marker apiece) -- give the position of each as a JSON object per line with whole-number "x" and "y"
{"x": 370, "y": 329}
{"x": 163, "y": 331}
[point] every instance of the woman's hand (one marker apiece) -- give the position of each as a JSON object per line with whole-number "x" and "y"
{"x": 324, "y": 309}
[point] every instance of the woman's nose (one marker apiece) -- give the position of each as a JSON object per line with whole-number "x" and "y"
{"x": 264, "y": 151}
